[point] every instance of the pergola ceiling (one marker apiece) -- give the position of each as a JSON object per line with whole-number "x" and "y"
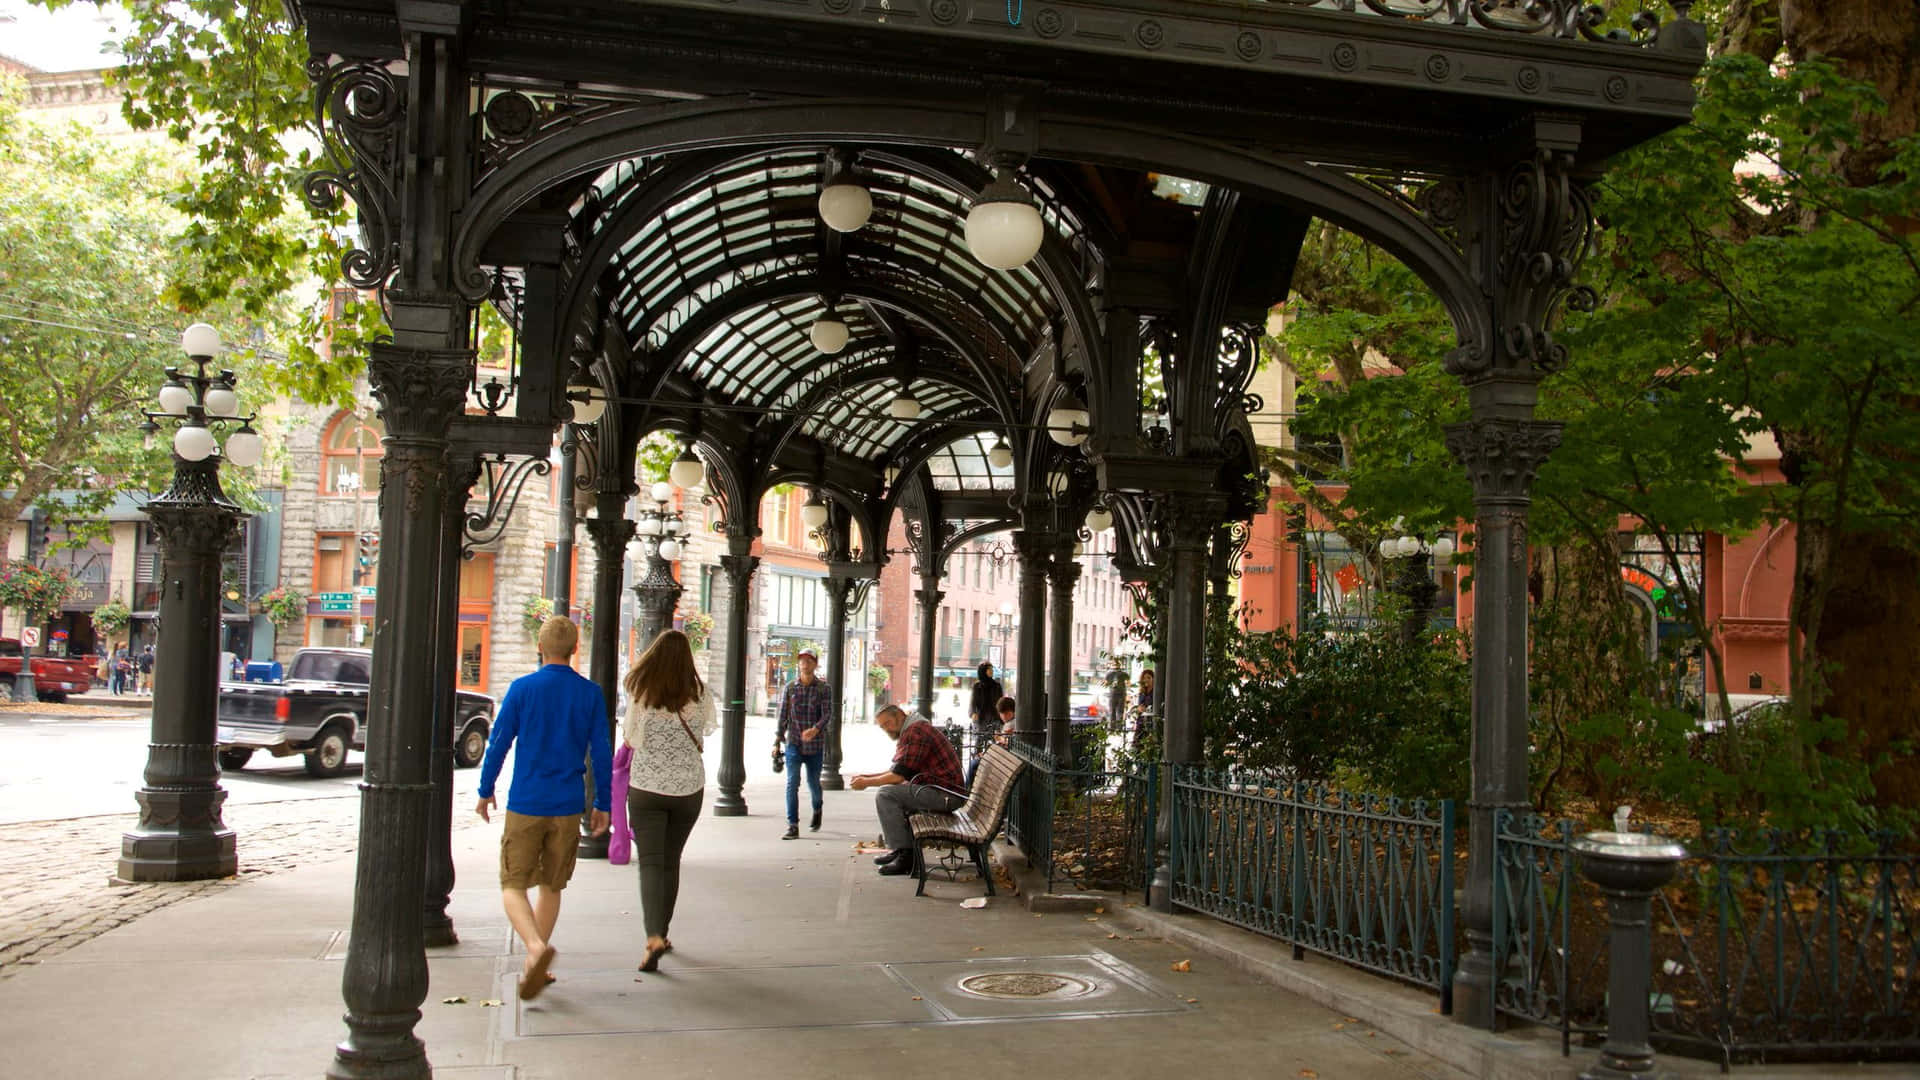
{"x": 717, "y": 268}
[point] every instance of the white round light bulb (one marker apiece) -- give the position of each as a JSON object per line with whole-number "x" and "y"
{"x": 193, "y": 443}
{"x": 814, "y": 513}
{"x": 590, "y": 410}
{"x": 1099, "y": 519}
{"x": 662, "y": 491}
{"x": 174, "y": 398}
{"x": 200, "y": 340}
{"x": 669, "y": 549}
{"x": 845, "y": 207}
{"x": 828, "y": 334}
{"x": 687, "y": 471}
{"x": 904, "y": 407}
{"x": 245, "y": 448}
{"x": 1067, "y": 425}
{"x": 1443, "y": 550}
{"x": 1001, "y": 456}
{"x": 1004, "y": 229}
{"x": 222, "y": 401}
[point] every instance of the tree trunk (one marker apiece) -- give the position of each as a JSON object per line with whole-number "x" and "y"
{"x": 1869, "y": 624}
{"x": 1586, "y": 667}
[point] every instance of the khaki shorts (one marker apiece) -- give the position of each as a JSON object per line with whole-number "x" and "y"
{"x": 538, "y": 851}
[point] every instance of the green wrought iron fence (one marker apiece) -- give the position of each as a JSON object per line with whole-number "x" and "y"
{"x": 1366, "y": 879}
{"x": 1091, "y": 828}
{"x": 1792, "y": 947}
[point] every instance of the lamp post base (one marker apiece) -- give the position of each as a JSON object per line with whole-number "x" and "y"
{"x": 24, "y": 691}
{"x": 729, "y": 805}
{"x": 180, "y": 838}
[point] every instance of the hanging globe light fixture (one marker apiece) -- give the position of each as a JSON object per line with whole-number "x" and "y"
{"x": 1004, "y": 229}
{"x": 589, "y": 403}
{"x": 905, "y": 406}
{"x": 1099, "y": 519}
{"x": 845, "y": 206}
{"x": 686, "y": 470}
{"x": 829, "y": 333}
{"x": 1068, "y": 422}
{"x": 221, "y": 400}
{"x": 1001, "y": 456}
{"x": 814, "y": 512}
{"x": 193, "y": 443}
{"x": 245, "y": 448}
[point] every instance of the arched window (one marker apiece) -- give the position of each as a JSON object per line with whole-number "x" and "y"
{"x": 350, "y": 455}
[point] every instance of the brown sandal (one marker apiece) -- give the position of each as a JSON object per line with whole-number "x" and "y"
{"x": 652, "y": 960}
{"x": 535, "y": 980}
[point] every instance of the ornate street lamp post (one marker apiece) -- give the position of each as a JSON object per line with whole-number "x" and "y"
{"x": 181, "y": 836}
{"x": 660, "y": 537}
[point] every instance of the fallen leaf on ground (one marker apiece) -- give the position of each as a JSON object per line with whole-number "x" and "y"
{"x": 979, "y": 948}
{"x": 1353, "y": 1019}
{"x": 1339, "y": 1027}
{"x": 1372, "y": 1034}
{"x": 1308, "y": 1074}
{"x": 454, "y": 1000}
{"x": 1393, "y": 1053}
{"x": 490, "y": 1003}
{"x": 1099, "y": 911}
{"x": 1193, "y": 1001}
{"x": 1182, "y": 965}
{"x": 1113, "y": 937}
{"x": 1093, "y": 918}
{"x": 916, "y": 997}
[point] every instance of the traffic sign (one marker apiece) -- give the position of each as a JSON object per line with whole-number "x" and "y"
{"x": 30, "y": 637}
{"x": 336, "y": 601}
{"x": 366, "y": 592}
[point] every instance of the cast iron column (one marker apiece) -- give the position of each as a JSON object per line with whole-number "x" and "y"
{"x": 1064, "y": 575}
{"x": 436, "y": 925}
{"x": 1182, "y": 680}
{"x": 420, "y": 392}
{"x": 929, "y": 595}
{"x": 560, "y": 587}
{"x": 610, "y": 531}
{"x": 181, "y": 836}
{"x": 1030, "y": 700}
{"x": 837, "y": 590}
{"x": 739, "y": 563}
{"x": 1500, "y": 453}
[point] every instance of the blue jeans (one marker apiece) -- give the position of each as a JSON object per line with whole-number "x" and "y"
{"x": 795, "y": 759}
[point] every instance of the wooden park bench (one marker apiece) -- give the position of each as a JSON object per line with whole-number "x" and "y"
{"x": 974, "y": 825}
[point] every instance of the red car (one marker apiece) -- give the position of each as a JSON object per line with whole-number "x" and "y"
{"x": 54, "y": 677}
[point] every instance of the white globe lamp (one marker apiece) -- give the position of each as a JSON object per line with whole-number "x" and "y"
{"x": 1001, "y": 456}
{"x": 1099, "y": 519}
{"x": 245, "y": 448}
{"x": 193, "y": 443}
{"x": 844, "y": 206}
{"x": 222, "y": 401}
{"x": 1067, "y": 423}
{"x": 200, "y": 341}
{"x": 662, "y": 492}
{"x": 590, "y": 410}
{"x": 829, "y": 334}
{"x": 686, "y": 471}
{"x": 1004, "y": 229}
{"x": 904, "y": 407}
{"x": 814, "y": 512}
{"x": 1443, "y": 550}
{"x": 174, "y": 397}
{"x": 669, "y": 549}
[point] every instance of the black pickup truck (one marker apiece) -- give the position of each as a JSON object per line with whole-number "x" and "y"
{"x": 321, "y": 711}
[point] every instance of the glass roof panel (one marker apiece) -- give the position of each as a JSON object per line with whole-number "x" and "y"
{"x": 962, "y": 465}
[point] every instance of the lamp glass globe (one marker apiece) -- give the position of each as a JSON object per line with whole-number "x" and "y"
{"x": 904, "y": 407}
{"x": 647, "y": 526}
{"x": 814, "y": 513}
{"x": 828, "y": 334}
{"x": 245, "y": 448}
{"x": 845, "y": 207}
{"x": 1099, "y": 519}
{"x": 686, "y": 471}
{"x": 193, "y": 443}
{"x": 1067, "y": 425}
{"x": 174, "y": 398}
{"x": 669, "y": 549}
{"x": 222, "y": 401}
{"x": 1001, "y": 456}
{"x": 1443, "y": 549}
{"x": 1004, "y": 234}
{"x": 200, "y": 340}
{"x": 590, "y": 410}
{"x": 662, "y": 491}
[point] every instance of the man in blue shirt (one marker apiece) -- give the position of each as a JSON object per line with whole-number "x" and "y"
{"x": 559, "y": 718}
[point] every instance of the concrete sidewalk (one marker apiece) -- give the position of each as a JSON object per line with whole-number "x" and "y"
{"x": 792, "y": 959}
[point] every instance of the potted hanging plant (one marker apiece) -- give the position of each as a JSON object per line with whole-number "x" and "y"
{"x": 282, "y": 605}
{"x": 36, "y": 591}
{"x": 699, "y": 629}
{"x": 534, "y": 612}
{"x": 111, "y": 619}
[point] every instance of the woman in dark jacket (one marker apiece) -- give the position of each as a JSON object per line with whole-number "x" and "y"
{"x": 983, "y": 711}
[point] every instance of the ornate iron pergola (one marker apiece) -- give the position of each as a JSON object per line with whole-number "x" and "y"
{"x": 635, "y": 185}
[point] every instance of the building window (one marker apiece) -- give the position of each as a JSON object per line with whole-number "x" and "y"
{"x": 773, "y": 517}
{"x": 350, "y": 456}
{"x": 476, "y": 621}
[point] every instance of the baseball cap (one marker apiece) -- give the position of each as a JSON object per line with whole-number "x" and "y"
{"x": 808, "y": 653}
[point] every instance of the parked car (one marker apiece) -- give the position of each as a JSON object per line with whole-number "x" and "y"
{"x": 321, "y": 711}
{"x": 54, "y": 677}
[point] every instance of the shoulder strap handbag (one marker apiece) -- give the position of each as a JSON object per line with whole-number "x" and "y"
{"x": 681, "y": 715}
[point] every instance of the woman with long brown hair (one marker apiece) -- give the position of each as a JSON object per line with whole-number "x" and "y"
{"x": 669, "y": 717}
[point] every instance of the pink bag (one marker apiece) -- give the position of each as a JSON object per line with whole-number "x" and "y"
{"x": 620, "y": 840}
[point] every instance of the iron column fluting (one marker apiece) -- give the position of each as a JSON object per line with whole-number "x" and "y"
{"x": 838, "y": 590}
{"x": 739, "y": 563}
{"x": 181, "y": 835}
{"x": 1063, "y": 575}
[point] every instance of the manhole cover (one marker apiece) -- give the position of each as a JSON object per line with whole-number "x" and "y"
{"x": 1027, "y": 985}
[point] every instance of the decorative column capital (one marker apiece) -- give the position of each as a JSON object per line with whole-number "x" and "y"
{"x": 1035, "y": 548}
{"x": 838, "y": 589}
{"x": 610, "y": 535}
{"x": 1191, "y": 519}
{"x": 194, "y": 516}
{"x": 929, "y": 598}
{"x": 420, "y": 390}
{"x": 1501, "y": 455}
{"x": 739, "y": 568}
{"x": 1065, "y": 572}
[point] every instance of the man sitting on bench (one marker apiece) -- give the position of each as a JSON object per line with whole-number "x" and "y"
{"x": 925, "y": 776}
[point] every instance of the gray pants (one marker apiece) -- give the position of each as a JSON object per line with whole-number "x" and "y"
{"x": 661, "y": 824}
{"x": 896, "y": 802}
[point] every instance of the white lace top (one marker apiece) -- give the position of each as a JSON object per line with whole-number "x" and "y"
{"x": 665, "y": 761}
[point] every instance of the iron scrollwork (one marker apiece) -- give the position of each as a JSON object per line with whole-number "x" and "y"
{"x": 504, "y": 484}
{"x": 360, "y": 112}
{"x": 1546, "y": 226}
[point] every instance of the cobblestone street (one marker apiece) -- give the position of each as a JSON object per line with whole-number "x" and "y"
{"x": 56, "y": 887}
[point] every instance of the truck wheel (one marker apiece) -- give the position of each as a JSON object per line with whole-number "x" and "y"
{"x": 329, "y": 754}
{"x": 472, "y": 745}
{"x": 235, "y": 758}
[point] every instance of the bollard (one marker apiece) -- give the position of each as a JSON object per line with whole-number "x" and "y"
{"x": 1629, "y": 868}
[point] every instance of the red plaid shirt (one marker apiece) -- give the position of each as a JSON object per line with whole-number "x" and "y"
{"x": 925, "y": 756}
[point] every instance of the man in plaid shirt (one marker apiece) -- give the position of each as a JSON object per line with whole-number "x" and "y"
{"x": 925, "y": 775}
{"x": 806, "y": 715}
